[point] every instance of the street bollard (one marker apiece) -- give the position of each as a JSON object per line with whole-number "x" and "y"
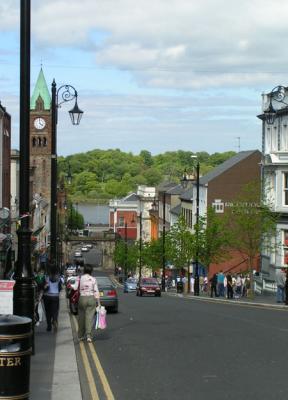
{"x": 15, "y": 352}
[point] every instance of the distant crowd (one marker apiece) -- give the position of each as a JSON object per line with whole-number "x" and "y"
{"x": 229, "y": 285}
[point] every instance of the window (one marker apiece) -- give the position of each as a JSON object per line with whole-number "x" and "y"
{"x": 218, "y": 206}
{"x": 121, "y": 221}
{"x": 285, "y": 188}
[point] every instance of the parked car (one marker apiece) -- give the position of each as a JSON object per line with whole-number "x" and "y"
{"x": 148, "y": 286}
{"x": 130, "y": 285}
{"x": 108, "y": 293}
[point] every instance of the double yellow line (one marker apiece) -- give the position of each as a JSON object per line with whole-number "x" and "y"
{"x": 89, "y": 374}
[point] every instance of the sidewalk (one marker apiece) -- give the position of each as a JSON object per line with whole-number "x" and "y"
{"x": 54, "y": 371}
{"x": 263, "y": 300}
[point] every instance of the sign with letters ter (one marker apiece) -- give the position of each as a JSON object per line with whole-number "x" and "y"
{"x": 6, "y": 297}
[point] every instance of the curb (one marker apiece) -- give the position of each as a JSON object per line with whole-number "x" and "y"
{"x": 231, "y": 302}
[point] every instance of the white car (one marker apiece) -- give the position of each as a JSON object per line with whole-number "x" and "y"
{"x": 90, "y": 246}
{"x": 84, "y": 248}
{"x": 77, "y": 254}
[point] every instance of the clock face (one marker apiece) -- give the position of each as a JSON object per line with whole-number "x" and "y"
{"x": 4, "y": 213}
{"x": 39, "y": 123}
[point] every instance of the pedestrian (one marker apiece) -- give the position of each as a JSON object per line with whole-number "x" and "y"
{"x": 40, "y": 286}
{"x": 201, "y": 283}
{"x": 52, "y": 288}
{"x": 213, "y": 282}
{"x": 89, "y": 293}
{"x": 220, "y": 283}
{"x": 238, "y": 286}
{"x": 229, "y": 286}
{"x": 280, "y": 278}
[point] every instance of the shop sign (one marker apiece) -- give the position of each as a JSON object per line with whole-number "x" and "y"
{"x": 6, "y": 297}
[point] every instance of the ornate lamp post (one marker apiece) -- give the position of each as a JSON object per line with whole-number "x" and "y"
{"x": 24, "y": 291}
{"x": 277, "y": 95}
{"x": 63, "y": 94}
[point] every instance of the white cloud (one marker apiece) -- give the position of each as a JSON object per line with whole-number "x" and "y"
{"x": 203, "y": 43}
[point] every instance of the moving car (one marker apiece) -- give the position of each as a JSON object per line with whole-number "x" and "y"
{"x": 148, "y": 286}
{"x": 108, "y": 293}
{"x": 78, "y": 253}
{"x": 89, "y": 245}
{"x": 84, "y": 248}
{"x": 130, "y": 285}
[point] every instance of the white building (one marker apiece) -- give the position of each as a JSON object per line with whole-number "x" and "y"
{"x": 275, "y": 179}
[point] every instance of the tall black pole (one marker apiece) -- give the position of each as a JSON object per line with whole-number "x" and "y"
{"x": 126, "y": 251}
{"x": 163, "y": 241}
{"x": 53, "y": 210}
{"x": 140, "y": 248}
{"x": 24, "y": 291}
{"x": 196, "y": 282}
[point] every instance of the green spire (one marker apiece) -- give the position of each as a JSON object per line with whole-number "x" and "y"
{"x": 41, "y": 90}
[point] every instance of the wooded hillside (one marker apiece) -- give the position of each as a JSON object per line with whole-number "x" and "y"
{"x": 105, "y": 174}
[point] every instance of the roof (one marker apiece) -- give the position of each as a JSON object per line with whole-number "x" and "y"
{"x": 166, "y": 186}
{"x": 131, "y": 197}
{"x": 176, "y": 210}
{"x": 187, "y": 195}
{"x": 178, "y": 189}
{"x": 226, "y": 165}
{"x": 41, "y": 89}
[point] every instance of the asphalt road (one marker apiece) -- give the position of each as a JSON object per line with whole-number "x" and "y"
{"x": 175, "y": 348}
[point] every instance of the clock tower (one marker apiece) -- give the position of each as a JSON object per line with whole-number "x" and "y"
{"x": 40, "y": 139}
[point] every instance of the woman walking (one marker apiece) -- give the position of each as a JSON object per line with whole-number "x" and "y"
{"x": 89, "y": 293}
{"x": 52, "y": 288}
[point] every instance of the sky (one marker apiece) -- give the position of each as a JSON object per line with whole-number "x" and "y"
{"x": 157, "y": 75}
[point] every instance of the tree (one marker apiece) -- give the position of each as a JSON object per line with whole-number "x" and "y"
{"x": 126, "y": 255}
{"x": 252, "y": 225}
{"x": 213, "y": 238}
{"x": 180, "y": 247}
{"x": 152, "y": 254}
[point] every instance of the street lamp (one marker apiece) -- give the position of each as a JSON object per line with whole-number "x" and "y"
{"x": 24, "y": 290}
{"x": 196, "y": 276}
{"x": 126, "y": 251}
{"x": 64, "y": 94}
{"x": 277, "y": 94}
{"x": 163, "y": 240}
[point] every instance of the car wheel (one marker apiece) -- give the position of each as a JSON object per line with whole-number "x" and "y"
{"x": 141, "y": 293}
{"x": 114, "y": 310}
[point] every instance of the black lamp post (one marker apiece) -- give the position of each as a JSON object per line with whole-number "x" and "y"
{"x": 24, "y": 290}
{"x": 163, "y": 241}
{"x": 126, "y": 250}
{"x": 278, "y": 95}
{"x": 196, "y": 275}
{"x": 64, "y": 94}
{"x": 140, "y": 245}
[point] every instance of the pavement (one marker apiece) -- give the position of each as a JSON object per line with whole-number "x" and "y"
{"x": 54, "y": 372}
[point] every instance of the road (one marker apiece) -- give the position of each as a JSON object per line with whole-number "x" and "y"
{"x": 176, "y": 348}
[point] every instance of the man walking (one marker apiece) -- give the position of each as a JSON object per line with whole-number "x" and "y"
{"x": 220, "y": 282}
{"x": 280, "y": 278}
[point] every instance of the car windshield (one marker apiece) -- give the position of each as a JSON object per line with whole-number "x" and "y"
{"x": 103, "y": 281}
{"x": 149, "y": 282}
{"x": 131, "y": 280}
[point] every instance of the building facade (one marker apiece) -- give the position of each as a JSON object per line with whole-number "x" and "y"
{"x": 275, "y": 181}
